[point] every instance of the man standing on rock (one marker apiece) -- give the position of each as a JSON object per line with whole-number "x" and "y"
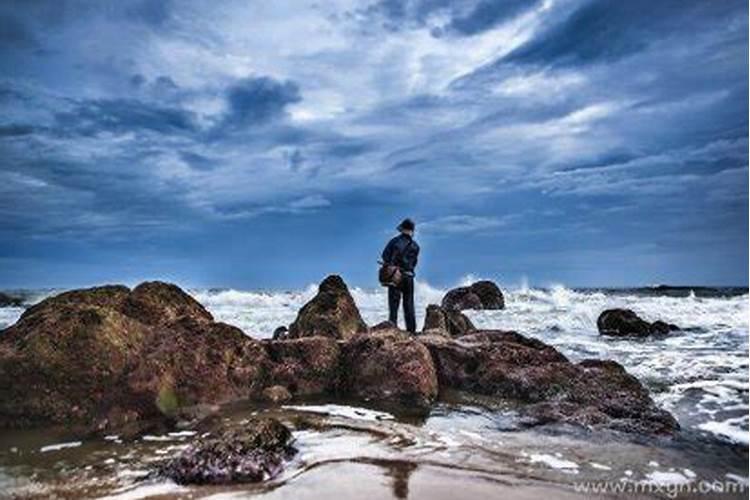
{"x": 402, "y": 251}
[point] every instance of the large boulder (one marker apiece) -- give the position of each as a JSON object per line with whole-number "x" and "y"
{"x": 64, "y": 362}
{"x": 546, "y": 386}
{"x": 107, "y": 356}
{"x": 448, "y": 322}
{"x": 191, "y": 362}
{"x": 305, "y": 366}
{"x": 250, "y": 454}
{"x": 388, "y": 366}
{"x": 331, "y": 313}
{"x": 626, "y": 323}
{"x": 480, "y": 295}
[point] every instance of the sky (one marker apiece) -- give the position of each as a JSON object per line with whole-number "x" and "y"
{"x": 256, "y": 144}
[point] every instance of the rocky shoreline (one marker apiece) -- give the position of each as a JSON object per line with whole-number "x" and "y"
{"x": 110, "y": 358}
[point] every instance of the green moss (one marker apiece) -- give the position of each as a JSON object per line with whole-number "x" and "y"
{"x": 166, "y": 400}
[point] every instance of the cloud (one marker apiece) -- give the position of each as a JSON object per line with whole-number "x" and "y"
{"x": 258, "y": 100}
{"x": 124, "y": 115}
{"x": 604, "y": 31}
{"x": 464, "y": 224}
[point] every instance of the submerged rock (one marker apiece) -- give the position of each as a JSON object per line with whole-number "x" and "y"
{"x": 389, "y": 365}
{"x": 480, "y": 295}
{"x": 626, "y": 323}
{"x": 449, "y": 322}
{"x": 256, "y": 452}
{"x": 331, "y": 313}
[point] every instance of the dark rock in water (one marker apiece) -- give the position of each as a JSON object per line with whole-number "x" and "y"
{"x": 663, "y": 328}
{"x": 449, "y": 322}
{"x": 626, "y": 323}
{"x": 10, "y": 301}
{"x": 305, "y": 366}
{"x": 253, "y": 453}
{"x": 480, "y": 295}
{"x": 107, "y": 356}
{"x": 331, "y": 313}
{"x": 390, "y": 366}
{"x": 280, "y": 333}
{"x": 276, "y": 394}
{"x": 548, "y": 387}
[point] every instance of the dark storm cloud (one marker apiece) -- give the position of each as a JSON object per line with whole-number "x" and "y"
{"x": 605, "y": 31}
{"x": 258, "y": 100}
{"x": 123, "y": 115}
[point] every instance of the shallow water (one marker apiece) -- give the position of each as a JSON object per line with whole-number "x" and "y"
{"x": 466, "y": 444}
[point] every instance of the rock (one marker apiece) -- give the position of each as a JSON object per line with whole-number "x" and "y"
{"x": 546, "y": 386}
{"x": 662, "y": 328}
{"x": 280, "y": 333}
{"x": 331, "y": 313}
{"x": 276, "y": 394}
{"x": 256, "y": 452}
{"x": 158, "y": 303}
{"x": 64, "y": 362}
{"x": 388, "y": 366}
{"x": 10, "y": 301}
{"x": 190, "y": 362}
{"x": 480, "y": 295}
{"x": 626, "y": 323}
{"x": 305, "y": 366}
{"x": 449, "y": 322}
{"x": 107, "y": 356}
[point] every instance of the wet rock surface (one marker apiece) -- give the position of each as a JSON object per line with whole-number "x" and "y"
{"x": 253, "y": 453}
{"x": 480, "y": 295}
{"x": 626, "y": 323}
{"x": 331, "y": 313}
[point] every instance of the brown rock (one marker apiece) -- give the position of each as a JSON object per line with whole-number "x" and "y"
{"x": 191, "y": 362}
{"x": 480, "y": 295}
{"x": 158, "y": 303}
{"x": 305, "y": 366}
{"x": 331, "y": 313}
{"x": 389, "y": 366}
{"x": 64, "y": 362}
{"x": 548, "y": 386}
{"x": 449, "y": 322}
{"x": 106, "y": 356}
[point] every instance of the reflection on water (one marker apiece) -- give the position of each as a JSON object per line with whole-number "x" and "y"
{"x": 462, "y": 446}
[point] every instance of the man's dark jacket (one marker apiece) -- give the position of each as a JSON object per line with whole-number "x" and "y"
{"x": 402, "y": 251}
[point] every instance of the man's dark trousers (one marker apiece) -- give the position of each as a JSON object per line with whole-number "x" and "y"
{"x": 394, "y": 297}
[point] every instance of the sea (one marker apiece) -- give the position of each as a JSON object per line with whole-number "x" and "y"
{"x": 466, "y": 443}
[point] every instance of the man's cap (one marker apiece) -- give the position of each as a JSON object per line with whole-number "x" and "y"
{"x": 406, "y": 225}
